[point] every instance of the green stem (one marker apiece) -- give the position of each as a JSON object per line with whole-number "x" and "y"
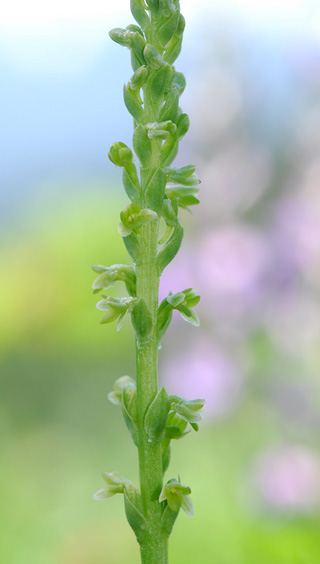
{"x": 154, "y": 549}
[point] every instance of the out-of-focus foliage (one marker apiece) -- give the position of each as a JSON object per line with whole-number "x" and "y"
{"x": 255, "y": 259}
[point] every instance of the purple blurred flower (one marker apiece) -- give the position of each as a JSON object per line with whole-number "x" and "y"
{"x": 292, "y": 319}
{"x": 203, "y": 371}
{"x": 231, "y": 267}
{"x": 178, "y": 276}
{"x": 288, "y": 478}
{"x": 299, "y": 230}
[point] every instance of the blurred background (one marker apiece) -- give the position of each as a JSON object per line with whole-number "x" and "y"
{"x": 252, "y": 250}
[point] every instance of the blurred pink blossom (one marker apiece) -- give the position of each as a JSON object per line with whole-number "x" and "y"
{"x": 232, "y": 261}
{"x": 178, "y": 276}
{"x": 203, "y": 371}
{"x": 299, "y": 230}
{"x": 288, "y": 478}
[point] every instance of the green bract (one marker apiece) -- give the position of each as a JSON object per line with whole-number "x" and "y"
{"x": 152, "y": 233}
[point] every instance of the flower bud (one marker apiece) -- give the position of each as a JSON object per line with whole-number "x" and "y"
{"x": 155, "y": 190}
{"x": 138, "y": 10}
{"x": 160, "y": 82}
{"x": 120, "y": 154}
{"x": 141, "y": 320}
{"x": 142, "y": 145}
{"x": 121, "y": 36}
{"x": 116, "y": 395}
{"x": 139, "y": 78}
{"x": 156, "y": 416}
{"x": 183, "y": 125}
{"x": 170, "y": 107}
{"x": 152, "y": 57}
{"x": 133, "y": 105}
{"x": 168, "y": 29}
{"x": 173, "y": 49}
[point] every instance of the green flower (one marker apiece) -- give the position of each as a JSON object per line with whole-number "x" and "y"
{"x": 176, "y": 496}
{"x": 116, "y": 483}
{"x": 109, "y": 275}
{"x": 187, "y": 410}
{"x": 133, "y": 218}
{"x": 115, "y": 308}
{"x": 120, "y": 384}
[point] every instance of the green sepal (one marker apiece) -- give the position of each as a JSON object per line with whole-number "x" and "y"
{"x": 160, "y": 82}
{"x": 170, "y": 248}
{"x": 135, "y": 517}
{"x": 155, "y": 190}
{"x": 141, "y": 320}
{"x": 129, "y": 411}
{"x": 156, "y": 416}
{"x": 131, "y": 183}
{"x": 139, "y": 78}
{"x": 190, "y": 316}
{"x": 132, "y": 104}
{"x": 168, "y": 29}
{"x": 99, "y": 268}
{"x": 170, "y": 108}
{"x": 152, "y": 57}
{"x": 142, "y": 145}
{"x": 138, "y": 10}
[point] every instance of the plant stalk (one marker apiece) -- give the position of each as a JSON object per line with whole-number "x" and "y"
{"x": 155, "y": 548}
